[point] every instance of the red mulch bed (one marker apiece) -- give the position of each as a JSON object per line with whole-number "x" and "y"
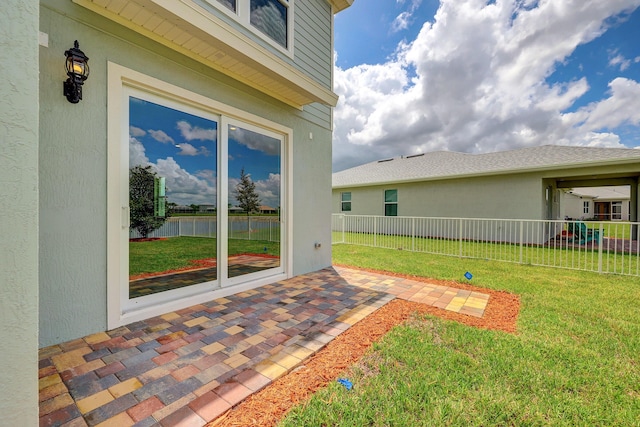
{"x": 269, "y": 405}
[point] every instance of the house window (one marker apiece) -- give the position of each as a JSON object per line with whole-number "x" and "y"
{"x": 230, "y": 4}
{"x": 269, "y": 18}
{"x": 585, "y": 207}
{"x": 616, "y": 210}
{"x": 345, "y": 200}
{"x": 391, "y": 203}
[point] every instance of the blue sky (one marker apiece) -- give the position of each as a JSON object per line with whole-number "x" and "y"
{"x": 480, "y": 76}
{"x": 183, "y": 148}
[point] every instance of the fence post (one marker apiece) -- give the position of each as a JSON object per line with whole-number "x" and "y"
{"x": 413, "y": 234}
{"x": 600, "y": 248}
{"x": 521, "y": 239}
{"x": 375, "y": 232}
{"x": 460, "y": 237}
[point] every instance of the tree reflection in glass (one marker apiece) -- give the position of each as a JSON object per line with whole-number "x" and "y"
{"x": 178, "y": 151}
{"x": 254, "y": 201}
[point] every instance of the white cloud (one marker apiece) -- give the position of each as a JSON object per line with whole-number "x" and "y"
{"x": 187, "y": 149}
{"x": 405, "y": 18}
{"x": 256, "y": 141}
{"x": 268, "y": 190}
{"x": 161, "y": 136}
{"x": 183, "y": 187}
{"x": 622, "y": 107}
{"x": 137, "y": 155}
{"x": 617, "y": 60}
{"x": 475, "y": 80}
{"x": 136, "y": 131}
{"x": 190, "y": 132}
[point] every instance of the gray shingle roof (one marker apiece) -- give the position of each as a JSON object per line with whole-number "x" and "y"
{"x": 446, "y": 164}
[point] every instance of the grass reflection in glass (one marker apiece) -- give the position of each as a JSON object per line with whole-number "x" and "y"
{"x": 192, "y": 260}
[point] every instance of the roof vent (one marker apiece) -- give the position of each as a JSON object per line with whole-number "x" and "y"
{"x": 384, "y": 160}
{"x": 415, "y": 155}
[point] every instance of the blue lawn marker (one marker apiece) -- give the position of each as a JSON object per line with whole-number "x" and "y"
{"x": 345, "y": 382}
{"x": 468, "y": 275}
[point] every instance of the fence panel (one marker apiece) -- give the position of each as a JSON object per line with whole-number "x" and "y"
{"x": 599, "y": 246}
{"x": 246, "y": 228}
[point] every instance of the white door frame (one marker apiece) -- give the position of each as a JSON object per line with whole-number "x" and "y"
{"x": 121, "y": 83}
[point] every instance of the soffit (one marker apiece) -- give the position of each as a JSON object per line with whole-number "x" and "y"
{"x": 189, "y": 29}
{"x": 340, "y": 5}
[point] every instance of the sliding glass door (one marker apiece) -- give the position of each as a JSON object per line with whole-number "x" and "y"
{"x": 204, "y": 201}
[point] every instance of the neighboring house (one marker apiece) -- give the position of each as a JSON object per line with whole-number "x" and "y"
{"x": 267, "y": 210}
{"x": 599, "y": 203}
{"x": 223, "y": 78}
{"x": 516, "y": 184}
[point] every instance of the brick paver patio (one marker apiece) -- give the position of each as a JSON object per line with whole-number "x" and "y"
{"x": 187, "y": 367}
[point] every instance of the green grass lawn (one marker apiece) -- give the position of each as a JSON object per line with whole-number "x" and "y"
{"x": 575, "y": 360}
{"x": 177, "y": 252}
{"x": 558, "y": 254}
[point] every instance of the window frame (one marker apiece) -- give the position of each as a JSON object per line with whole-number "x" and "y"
{"x": 343, "y": 201}
{"x": 390, "y": 203}
{"x": 614, "y": 214}
{"x": 585, "y": 207}
{"x": 242, "y": 15}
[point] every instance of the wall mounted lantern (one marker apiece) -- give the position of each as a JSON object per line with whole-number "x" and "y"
{"x": 78, "y": 71}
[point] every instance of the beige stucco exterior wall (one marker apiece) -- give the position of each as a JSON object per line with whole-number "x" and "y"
{"x": 572, "y": 206}
{"x": 512, "y": 197}
{"x": 73, "y": 161}
{"x": 19, "y": 206}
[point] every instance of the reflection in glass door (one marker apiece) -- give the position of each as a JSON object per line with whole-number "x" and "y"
{"x": 172, "y": 199}
{"x": 254, "y": 196}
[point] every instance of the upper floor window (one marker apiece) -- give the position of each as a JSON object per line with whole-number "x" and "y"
{"x": 390, "y": 202}
{"x": 345, "y": 201}
{"x": 585, "y": 207}
{"x": 271, "y": 18}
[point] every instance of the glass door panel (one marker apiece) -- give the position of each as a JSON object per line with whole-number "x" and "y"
{"x": 254, "y": 193}
{"x": 172, "y": 198}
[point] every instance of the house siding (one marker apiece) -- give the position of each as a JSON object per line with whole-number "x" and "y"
{"x": 313, "y": 47}
{"x": 482, "y": 197}
{"x": 19, "y": 207}
{"x": 313, "y": 42}
{"x": 73, "y": 163}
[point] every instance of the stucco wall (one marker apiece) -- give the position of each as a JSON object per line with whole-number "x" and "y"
{"x": 19, "y": 207}
{"x": 512, "y": 197}
{"x": 73, "y": 158}
{"x": 572, "y": 206}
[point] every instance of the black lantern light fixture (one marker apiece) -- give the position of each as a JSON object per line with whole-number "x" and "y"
{"x": 78, "y": 71}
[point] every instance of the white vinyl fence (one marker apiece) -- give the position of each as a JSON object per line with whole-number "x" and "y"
{"x": 240, "y": 227}
{"x": 605, "y": 247}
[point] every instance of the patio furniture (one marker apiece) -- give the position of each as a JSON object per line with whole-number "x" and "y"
{"x": 581, "y": 233}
